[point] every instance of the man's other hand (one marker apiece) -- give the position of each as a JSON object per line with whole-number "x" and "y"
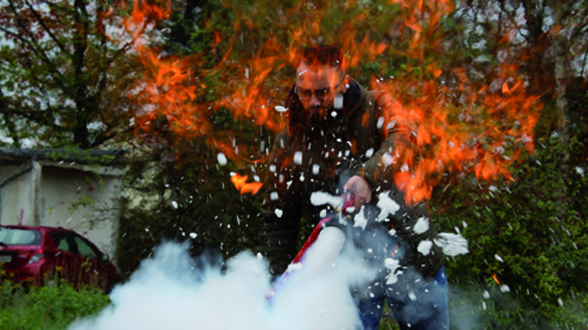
{"x": 361, "y": 189}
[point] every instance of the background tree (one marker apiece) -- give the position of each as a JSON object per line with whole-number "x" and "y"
{"x": 64, "y": 78}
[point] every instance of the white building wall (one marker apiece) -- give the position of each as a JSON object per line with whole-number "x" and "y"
{"x": 18, "y": 197}
{"x": 73, "y": 197}
{"x": 81, "y": 201}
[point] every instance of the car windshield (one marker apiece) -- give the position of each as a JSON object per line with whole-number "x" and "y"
{"x": 13, "y": 236}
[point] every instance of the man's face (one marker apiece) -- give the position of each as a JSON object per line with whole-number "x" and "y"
{"x": 317, "y": 88}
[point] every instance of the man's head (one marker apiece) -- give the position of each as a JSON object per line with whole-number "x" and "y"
{"x": 320, "y": 80}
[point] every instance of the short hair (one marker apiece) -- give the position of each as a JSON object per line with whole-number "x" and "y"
{"x": 322, "y": 55}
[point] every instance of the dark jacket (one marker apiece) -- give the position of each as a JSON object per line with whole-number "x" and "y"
{"x": 309, "y": 159}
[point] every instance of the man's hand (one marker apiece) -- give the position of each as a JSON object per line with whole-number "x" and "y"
{"x": 361, "y": 189}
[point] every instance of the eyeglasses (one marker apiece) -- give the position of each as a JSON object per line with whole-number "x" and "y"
{"x": 321, "y": 93}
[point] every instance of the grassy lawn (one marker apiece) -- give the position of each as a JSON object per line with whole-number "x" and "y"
{"x": 47, "y": 307}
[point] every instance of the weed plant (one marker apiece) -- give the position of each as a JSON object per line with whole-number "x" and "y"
{"x": 48, "y": 307}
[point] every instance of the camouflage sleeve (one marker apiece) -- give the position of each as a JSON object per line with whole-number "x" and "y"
{"x": 379, "y": 170}
{"x": 410, "y": 222}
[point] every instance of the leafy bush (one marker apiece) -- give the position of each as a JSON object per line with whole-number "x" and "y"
{"x": 186, "y": 194}
{"x": 47, "y": 307}
{"x": 530, "y": 235}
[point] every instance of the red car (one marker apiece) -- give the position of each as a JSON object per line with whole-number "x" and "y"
{"x": 42, "y": 255}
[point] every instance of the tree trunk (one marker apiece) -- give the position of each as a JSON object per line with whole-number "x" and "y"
{"x": 83, "y": 108}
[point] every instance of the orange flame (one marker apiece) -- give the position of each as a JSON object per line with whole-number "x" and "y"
{"x": 241, "y": 184}
{"x": 432, "y": 135}
{"x": 169, "y": 90}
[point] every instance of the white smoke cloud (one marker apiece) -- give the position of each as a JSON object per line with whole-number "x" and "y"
{"x": 169, "y": 291}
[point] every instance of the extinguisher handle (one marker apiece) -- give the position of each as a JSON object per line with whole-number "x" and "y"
{"x": 348, "y": 201}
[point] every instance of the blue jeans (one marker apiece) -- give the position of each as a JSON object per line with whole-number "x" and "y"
{"x": 423, "y": 308}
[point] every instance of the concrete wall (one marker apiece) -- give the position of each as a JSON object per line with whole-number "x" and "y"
{"x": 81, "y": 201}
{"x": 81, "y": 198}
{"x": 11, "y": 167}
{"x": 18, "y": 200}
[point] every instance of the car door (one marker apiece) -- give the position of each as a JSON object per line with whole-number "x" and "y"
{"x": 67, "y": 261}
{"x": 92, "y": 266}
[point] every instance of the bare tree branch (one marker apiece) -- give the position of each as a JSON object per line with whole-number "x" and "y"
{"x": 30, "y": 65}
{"x": 584, "y": 63}
{"x": 512, "y": 19}
{"x": 37, "y": 116}
{"x": 53, "y": 4}
{"x": 40, "y": 20}
{"x": 105, "y": 138}
{"x": 33, "y": 44}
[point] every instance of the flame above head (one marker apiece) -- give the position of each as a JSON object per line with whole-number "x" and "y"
{"x": 441, "y": 120}
{"x": 241, "y": 184}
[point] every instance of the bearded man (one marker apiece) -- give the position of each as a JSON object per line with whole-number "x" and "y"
{"x": 335, "y": 142}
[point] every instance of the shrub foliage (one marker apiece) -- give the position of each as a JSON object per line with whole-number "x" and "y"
{"x": 528, "y": 243}
{"x": 47, "y": 307}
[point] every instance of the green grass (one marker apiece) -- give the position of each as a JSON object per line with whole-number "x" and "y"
{"x": 388, "y": 322}
{"x": 47, "y": 307}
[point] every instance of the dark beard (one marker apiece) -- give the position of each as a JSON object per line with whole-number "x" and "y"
{"x": 320, "y": 118}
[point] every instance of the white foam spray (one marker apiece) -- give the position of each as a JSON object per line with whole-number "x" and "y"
{"x": 169, "y": 291}
{"x": 452, "y": 244}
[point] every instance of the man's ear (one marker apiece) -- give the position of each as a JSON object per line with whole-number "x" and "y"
{"x": 345, "y": 84}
